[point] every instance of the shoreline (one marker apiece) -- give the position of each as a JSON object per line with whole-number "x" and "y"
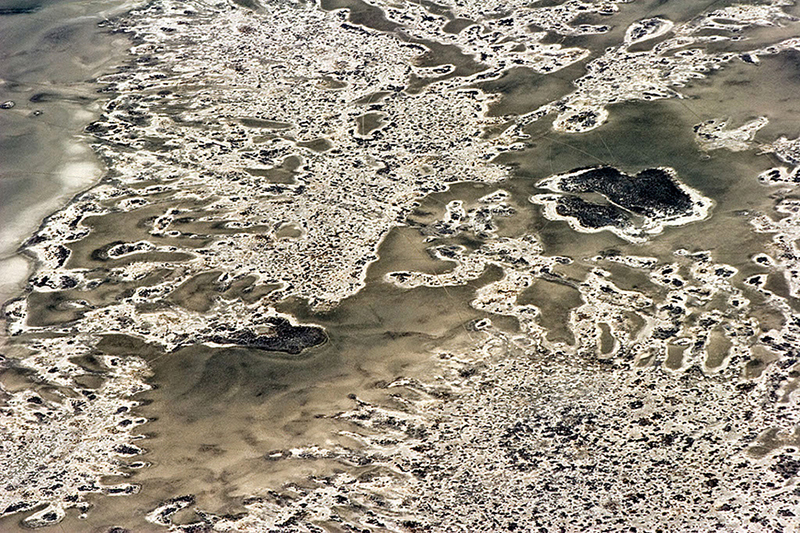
{"x": 68, "y": 97}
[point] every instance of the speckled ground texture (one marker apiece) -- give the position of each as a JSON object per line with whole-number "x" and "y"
{"x": 629, "y": 351}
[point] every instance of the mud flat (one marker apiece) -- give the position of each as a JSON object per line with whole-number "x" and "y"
{"x": 307, "y": 294}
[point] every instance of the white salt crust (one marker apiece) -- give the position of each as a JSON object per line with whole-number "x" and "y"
{"x": 56, "y": 448}
{"x": 636, "y": 229}
{"x": 714, "y": 134}
{"x": 520, "y": 433}
{"x": 787, "y": 151}
{"x": 501, "y": 35}
{"x": 199, "y": 122}
{"x": 243, "y": 114}
{"x": 622, "y": 75}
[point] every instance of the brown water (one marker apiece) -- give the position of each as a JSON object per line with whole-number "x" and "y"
{"x": 276, "y": 167}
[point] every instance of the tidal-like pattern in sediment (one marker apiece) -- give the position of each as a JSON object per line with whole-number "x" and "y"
{"x": 261, "y": 155}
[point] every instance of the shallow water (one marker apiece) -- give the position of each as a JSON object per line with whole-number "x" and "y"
{"x": 256, "y": 175}
{"x": 51, "y": 53}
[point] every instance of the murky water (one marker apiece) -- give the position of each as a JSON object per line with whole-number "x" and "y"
{"x": 300, "y": 268}
{"x": 52, "y": 51}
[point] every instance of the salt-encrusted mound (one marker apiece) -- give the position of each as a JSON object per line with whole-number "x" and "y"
{"x": 640, "y": 206}
{"x": 788, "y": 151}
{"x": 714, "y": 134}
{"x": 56, "y": 448}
